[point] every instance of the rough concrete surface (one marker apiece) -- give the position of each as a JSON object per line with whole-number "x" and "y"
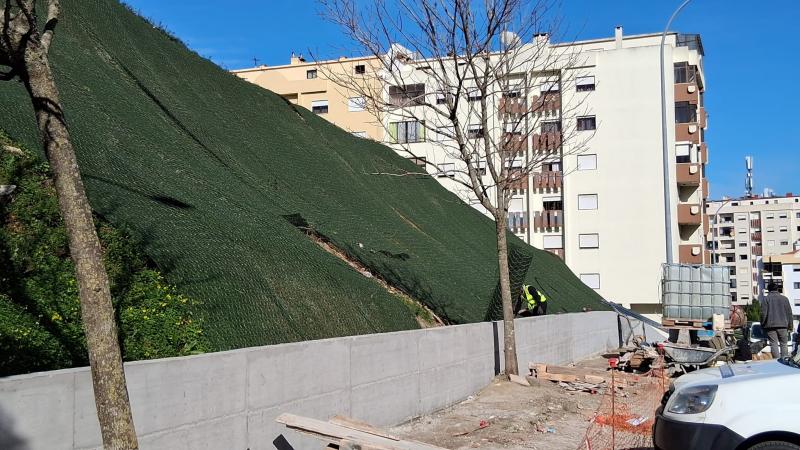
{"x": 383, "y": 379}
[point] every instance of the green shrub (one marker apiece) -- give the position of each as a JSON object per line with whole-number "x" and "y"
{"x": 40, "y": 319}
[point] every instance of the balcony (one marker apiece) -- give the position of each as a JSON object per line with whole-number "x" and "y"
{"x": 756, "y": 250}
{"x": 706, "y": 224}
{"x": 688, "y": 174}
{"x": 548, "y": 219}
{"x": 687, "y": 92}
{"x": 547, "y": 180}
{"x": 515, "y": 142}
{"x": 705, "y": 188}
{"x": 510, "y": 105}
{"x": 756, "y": 236}
{"x": 549, "y": 103}
{"x": 520, "y": 184}
{"x": 689, "y": 214}
{"x": 547, "y": 142}
{"x": 687, "y": 132}
{"x": 556, "y": 251}
{"x": 703, "y": 153}
{"x": 755, "y": 223}
{"x": 518, "y": 222}
{"x": 690, "y": 254}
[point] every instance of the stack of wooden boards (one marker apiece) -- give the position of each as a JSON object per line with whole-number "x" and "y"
{"x": 344, "y": 433}
{"x": 580, "y": 378}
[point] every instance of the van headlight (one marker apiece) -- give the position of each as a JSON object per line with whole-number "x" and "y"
{"x": 693, "y": 400}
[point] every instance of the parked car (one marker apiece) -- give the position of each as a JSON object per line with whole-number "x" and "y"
{"x": 753, "y": 405}
{"x": 759, "y": 341}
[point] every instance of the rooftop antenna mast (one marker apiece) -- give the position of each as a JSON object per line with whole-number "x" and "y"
{"x": 748, "y": 182}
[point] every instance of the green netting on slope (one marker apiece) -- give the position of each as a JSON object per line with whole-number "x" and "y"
{"x": 207, "y": 168}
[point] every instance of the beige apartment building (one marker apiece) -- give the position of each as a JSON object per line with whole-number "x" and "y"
{"x": 749, "y": 235}
{"x": 599, "y": 207}
{"x": 312, "y": 86}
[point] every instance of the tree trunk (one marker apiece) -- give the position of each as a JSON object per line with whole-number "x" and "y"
{"x": 509, "y": 337}
{"x": 97, "y": 311}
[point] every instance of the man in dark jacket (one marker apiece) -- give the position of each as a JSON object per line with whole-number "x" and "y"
{"x": 776, "y": 320}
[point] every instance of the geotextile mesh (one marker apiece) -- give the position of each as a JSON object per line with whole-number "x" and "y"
{"x": 212, "y": 174}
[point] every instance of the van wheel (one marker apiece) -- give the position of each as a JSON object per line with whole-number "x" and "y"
{"x": 775, "y": 445}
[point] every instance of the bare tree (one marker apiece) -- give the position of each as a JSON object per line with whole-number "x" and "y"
{"x": 24, "y": 51}
{"x": 490, "y": 98}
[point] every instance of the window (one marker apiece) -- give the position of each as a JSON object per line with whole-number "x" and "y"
{"x": 587, "y": 162}
{"x": 474, "y": 131}
{"x": 361, "y": 134}
{"x": 589, "y": 240}
{"x": 356, "y": 104}
{"x": 770, "y": 216}
{"x": 587, "y": 201}
{"x": 551, "y": 126}
{"x": 360, "y": 69}
{"x": 444, "y": 134}
{"x": 474, "y": 95}
{"x": 406, "y": 94}
{"x": 796, "y": 268}
{"x": 591, "y": 279}
{"x": 550, "y": 86}
{"x": 782, "y": 216}
{"x": 783, "y": 229}
{"x": 770, "y": 230}
{"x": 447, "y": 170}
{"x": 441, "y": 98}
{"x": 770, "y": 243}
{"x": 742, "y": 230}
{"x": 784, "y": 242}
{"x": 513, "y": 127}
{"x": 407, "y": 132}
{"x": 797, "y": 215}
{"x": 319, "y": 106}
{"x": 685, "y": 112}
{"x": 683, "y": 153}
{"x": 420, "y": 161}
{"x": 743, "y": 257}
{"x": 587, "y": 123}
{"x": 797, "y": 284}
{"x": 552, "y": 204}
{"x": 584, "y": 84}
{"x": 741, "y": 217}
{"x": 552, "y": 241}
{"x": 684, "y": 73}
{"x": 481, "y": 167}
{"x": 742, "y": 244}
{"x": 797, "y": 302}
{"x": 311, "y": 74}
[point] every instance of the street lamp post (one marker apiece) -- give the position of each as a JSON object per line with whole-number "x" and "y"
{"x": 664, "y": 146}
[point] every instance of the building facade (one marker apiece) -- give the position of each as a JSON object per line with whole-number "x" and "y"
{"x": 747, "y": 234}
{"x": 597, "y": 199}
{"x": 790, "y": 273}
{"x": 312, "y": 85}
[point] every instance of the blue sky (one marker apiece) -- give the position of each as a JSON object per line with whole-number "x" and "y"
{"x": 751, "y": 63}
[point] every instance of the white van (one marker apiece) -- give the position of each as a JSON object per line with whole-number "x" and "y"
{"x": 754, "y": 405}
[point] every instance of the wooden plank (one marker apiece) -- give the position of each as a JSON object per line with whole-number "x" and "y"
{"x": 518, "y": 379}
{"x": 358, "y": 425}
{"x": 336, "y": 434}
{"x": 557, "y": 377}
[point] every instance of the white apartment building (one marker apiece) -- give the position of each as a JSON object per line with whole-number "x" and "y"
{"x": 597, "y": 200}
{"x": 749, "y": 235}
{"x": 790, "y": 271}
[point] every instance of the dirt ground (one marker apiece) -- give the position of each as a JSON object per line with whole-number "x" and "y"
{"x": 542, "y": 416}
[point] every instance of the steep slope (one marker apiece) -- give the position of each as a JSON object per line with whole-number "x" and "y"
{"x": 221, "y": 180}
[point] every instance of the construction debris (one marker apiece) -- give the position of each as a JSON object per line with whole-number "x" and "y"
{"x": 347, "y": 433}
{"x": 518, "y": 379}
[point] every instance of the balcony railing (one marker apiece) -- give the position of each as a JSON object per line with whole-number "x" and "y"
{"x": 703, "y": 153}
{"x": 702, "y": 118}
{"x": 547, "y": 142}
{"x": 515, "y": 142}
{"x": 689, "y": 214}
{"x": 688, "y": 174}
{"x": 518, "y": 222}
{"x": 757, "y": 236}
{"x": 547, "y": 180}
{"x": 548, "y": 219}
{"x": 687, "y": 92}
{"x": 755, "y": 223}
{"x": 687, "y": 132}
{"x": 520, "y": 184}
{"x": 756, "y": 250}
{"x": 512, "y": 105}
{"x": 690, "y": 254}
{"x": 549, "y": 102}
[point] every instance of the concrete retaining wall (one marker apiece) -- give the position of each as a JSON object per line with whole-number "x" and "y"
{"x": 229, "y": 400}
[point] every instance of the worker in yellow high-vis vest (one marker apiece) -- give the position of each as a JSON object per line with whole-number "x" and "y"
{"x": 535, "y": 300}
